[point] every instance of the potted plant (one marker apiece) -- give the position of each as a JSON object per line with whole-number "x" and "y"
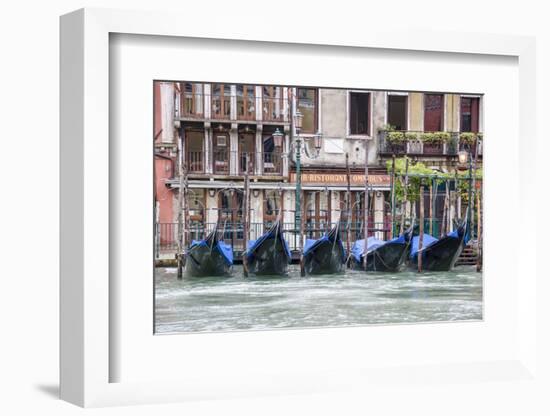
{"x": 434, "y": 141}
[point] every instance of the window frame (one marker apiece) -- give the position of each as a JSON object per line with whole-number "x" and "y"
{"x": 408, "y": 109}
{"x": 443, "y": 124}
{"x": 479, "y": 110}
{"x": 369, "y": 114}
{"x": 316, "y": 111}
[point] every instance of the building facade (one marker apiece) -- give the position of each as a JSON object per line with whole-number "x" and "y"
{"x": 227, "y": 130}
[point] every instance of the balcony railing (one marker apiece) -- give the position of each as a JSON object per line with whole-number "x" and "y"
{"x": 226, "y": 162}
{"x": 272, "y": 163}
{"x": 231, "y": 107}
{"x": 195, "y": 162}
{"x": 411, "y": 143}
{"x": 247, "y": 162}
{"x": 221, "y": 162}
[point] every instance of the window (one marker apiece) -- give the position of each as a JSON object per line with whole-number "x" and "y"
{"x": 397, "y": 111}
{"x": 307, "y": 104}
{"x": 221, "y": 153}
{"x": 194, "y": 147}
{"x": 272, "y": 103}
{"x": 246, "y": 102}
{"x": 359, "y": 113}
{"x": 433, "y": 112}
{"x": 272, "y": 160}
{"x": 246, "y": 152}
{"x": 192, "y": 100}
{"x": 469, "y": 114}
{"x": 221, "y": 101}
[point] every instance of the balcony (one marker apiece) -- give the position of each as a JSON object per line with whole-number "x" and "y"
{"x": 272, "y": 163}
{"x": 232, "y": 108}
{"x": 426, "y": 144}
{"x": 231, "y": 163}
{"x": 195, "y": 162}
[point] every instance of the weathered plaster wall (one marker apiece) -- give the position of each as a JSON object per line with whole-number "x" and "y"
{"x": 416, "y": 112}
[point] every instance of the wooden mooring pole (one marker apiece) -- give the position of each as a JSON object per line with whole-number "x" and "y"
{"x": 246, "y": 225}
{"x": 348, "y": 207}
{"x": 445, "y": 219}
{"x": 392, "y": 190}
{"x": 182, "y": 171}
{"x": 479, "y": 260}
{"x": 366, "y": 210}
{"x": 431, "y": 212}
{"x": 404, "y": 203}
{"x": 421, "y": 226}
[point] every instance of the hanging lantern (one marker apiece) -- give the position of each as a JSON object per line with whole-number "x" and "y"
{"x": 463, "y": 157}
{"x": 278, "y": 138}
{"x": 318, "y": 141}
{"x": 298, "y": 118}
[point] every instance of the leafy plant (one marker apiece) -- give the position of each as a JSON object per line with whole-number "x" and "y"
{"x": 395, "y": 137}
{"x": 468, "y": 137}
{"x": 387, "y": 127}
{"x": 435, "y": 137}
{"x": 420, "y": 173}
{"x": 410, "y": 136}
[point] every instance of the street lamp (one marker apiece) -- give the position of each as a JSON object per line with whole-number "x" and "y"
{"x": 277, "y": 138}
{"x": 463, "y": 157}
{"x": 317, "y": 141}
{"x": 298, "y": 119}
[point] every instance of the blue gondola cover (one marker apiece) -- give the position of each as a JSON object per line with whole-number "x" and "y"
{"x": 427, "y": 241}
{"x": 357, "y": 249}
{"x": 253, "y": 244}
{"x": 223, "y": 248}
{"x": 312, "y": 244}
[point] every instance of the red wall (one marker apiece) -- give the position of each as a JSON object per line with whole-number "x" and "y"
{"x": 163, "y": 171}
{"x": 157, "y": 120}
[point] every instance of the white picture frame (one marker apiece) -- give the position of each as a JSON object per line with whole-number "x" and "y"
{"x": 86, "y": 163}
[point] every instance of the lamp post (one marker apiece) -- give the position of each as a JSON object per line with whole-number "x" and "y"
{"x": 298, "y": 117}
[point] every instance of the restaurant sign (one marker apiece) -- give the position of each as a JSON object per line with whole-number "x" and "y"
{"x": 340, "y": 179}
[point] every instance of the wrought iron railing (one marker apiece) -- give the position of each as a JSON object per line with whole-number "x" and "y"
{"x": 411, "y": 143}
{"x": 226, "y": 162}
{"x": 272, "y": 163}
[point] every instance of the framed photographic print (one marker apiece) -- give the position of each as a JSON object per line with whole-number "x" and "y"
{"x": 289, "y": 213}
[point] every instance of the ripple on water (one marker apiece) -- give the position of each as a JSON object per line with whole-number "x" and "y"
{"x": 353, "y": 298}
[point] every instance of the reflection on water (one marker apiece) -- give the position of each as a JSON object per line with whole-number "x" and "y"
{"x": 353, "y": 298}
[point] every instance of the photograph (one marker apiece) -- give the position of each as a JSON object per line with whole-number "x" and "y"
{"x": 297, "y": 206}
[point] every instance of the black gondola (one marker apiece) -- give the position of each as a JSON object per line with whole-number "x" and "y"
{"x": 209, "y": 257}
{"x": 382, "y": 256}
{"x": 325, "y": 255}
{"x": 269, "y": 254}
{"x": 439, "y": 254}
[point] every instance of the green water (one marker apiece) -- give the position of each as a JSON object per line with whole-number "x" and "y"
{"x": 353, "y": 298}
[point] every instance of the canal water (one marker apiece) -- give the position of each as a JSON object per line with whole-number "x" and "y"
{"x": 353, "y": 298}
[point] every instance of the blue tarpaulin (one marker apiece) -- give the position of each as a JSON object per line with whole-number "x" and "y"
{"x": 223, "y": 248}
{"x": 427, "y": 241}
{"x": 313, "y": 244}
{"x": 358, "y": 247}
{"x": 254, "y": 244}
